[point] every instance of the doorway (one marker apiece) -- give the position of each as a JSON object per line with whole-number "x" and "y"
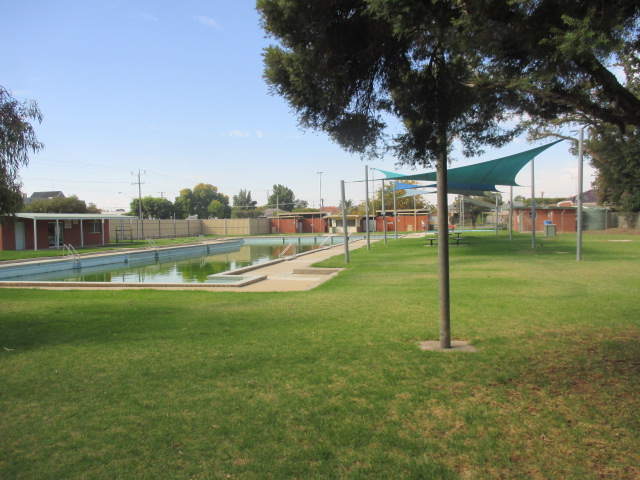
{"x": 20, "y": 236}
{"x": 55, "y": 235}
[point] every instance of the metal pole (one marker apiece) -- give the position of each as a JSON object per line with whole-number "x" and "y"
{"x": 496, "y": 217}
{"x": 395, "y": 214}
{"x": 344, "y": 224}
{"x": 510, "y": 213}
{"x": 533, "y": 205}
{"x": 579, "y": 226}
{"x": 462, "y": 213}
{"x": 320, "y": 173}
{"x": 366, "y": 206}
{"x": 384, "y": 213}
{"x": 373, "y": 197}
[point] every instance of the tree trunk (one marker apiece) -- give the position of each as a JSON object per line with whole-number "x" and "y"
{"x": 443, "y": 243}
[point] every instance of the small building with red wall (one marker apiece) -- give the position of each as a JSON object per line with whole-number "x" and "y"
{"x": 299, "y": 222}
{"x": 406, "y": 221}
{"x": 564, "y": 218}
{"x": 41, "y": 231}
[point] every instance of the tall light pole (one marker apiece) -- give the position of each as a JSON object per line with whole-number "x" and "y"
{"x": 321, "y": 205}
{"x": 373, "y": 196}
{"x": 579, "y": 199}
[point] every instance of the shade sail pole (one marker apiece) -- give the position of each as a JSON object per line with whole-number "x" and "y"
{"x": 395, "y": 214}
{"x": 510, "y": 213}
{"x": 344, "y": 224}
{"x": 384, "y": 214}
{"x": 496, "y": 217}
{"x": 366, "y": 206}
{"x": 579, "y": 202}
{"x": 533, "y": 205}
{"x": 443, "y": 247}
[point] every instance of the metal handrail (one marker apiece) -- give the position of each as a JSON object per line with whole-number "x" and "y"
{"x": 324, "y": 241}
{"x": 72, "y": 251}
{"x": 291, "y": 245}
{"x": 151, "y": 244}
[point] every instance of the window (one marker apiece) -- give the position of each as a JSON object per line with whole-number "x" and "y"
{"x": 95, "y": 227}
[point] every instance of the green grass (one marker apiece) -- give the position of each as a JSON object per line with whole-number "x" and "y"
{"x": 330, "y": 383}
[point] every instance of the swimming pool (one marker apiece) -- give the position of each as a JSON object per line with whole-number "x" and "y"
{"x": 212, "y": 263}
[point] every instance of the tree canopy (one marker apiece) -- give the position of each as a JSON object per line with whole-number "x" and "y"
{"x": 71, "y": 204}
{"x": 558, "y": 56}
{"x": 153, "y": 207}
{"x": 284, "y": 199}
{"x": 204, "y": 201}
{"x": 347, "y": 66}
{"x": 243, "y": 200}
{"x": 17, "y": 141}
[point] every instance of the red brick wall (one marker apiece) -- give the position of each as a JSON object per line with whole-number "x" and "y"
{"x": 7, "y": 236}
{"x": 70, "y": 235}
{"x": 314, "y": 225}
{"x": 404, "y": 222}
{"x": 284, "y": 225}
{"x": 563, "y": 219}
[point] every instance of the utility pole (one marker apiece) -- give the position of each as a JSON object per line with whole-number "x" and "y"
{"x": 140, "y": 219}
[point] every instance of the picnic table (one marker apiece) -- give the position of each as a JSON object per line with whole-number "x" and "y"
{"x": 453, "y": 237}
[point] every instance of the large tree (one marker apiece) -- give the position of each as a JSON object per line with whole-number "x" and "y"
{"x": 243, "y": 200}
{"x": 17, "y": 141}
{"x": 559, "y": 56}
{"x": 284, "y": 199}
{"x": 153, "y": 207}
{"x": 614, "y": 150}
{"x": 199, "y": 201}
{"x": 347, "y": 66}
{"x": 71, "y": 204}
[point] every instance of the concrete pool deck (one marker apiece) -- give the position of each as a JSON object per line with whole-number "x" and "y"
{"x": 296, "y": 274}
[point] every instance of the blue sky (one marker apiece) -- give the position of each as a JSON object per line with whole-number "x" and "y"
{"x": 175, "y": 89}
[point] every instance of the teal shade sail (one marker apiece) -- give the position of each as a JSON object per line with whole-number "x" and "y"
{"x": 478, "y": 177}
{"x": 406, "y": 186}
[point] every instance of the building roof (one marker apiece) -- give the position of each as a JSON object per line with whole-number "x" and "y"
{"x": 75, "y": 216}
{"x": 590, "y": 196}
{"x": 46, "y": 195}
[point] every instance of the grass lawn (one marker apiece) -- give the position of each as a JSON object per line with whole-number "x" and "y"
{"x": 330, "y": 383}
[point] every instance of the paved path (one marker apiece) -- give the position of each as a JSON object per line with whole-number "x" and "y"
{"x": 296, "y": 274}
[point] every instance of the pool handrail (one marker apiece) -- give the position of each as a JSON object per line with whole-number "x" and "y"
{"x": 290, "y": 245}
{"x": 72, "y": 251}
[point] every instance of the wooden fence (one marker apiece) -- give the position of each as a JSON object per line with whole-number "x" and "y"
{"x": 128, "y": 230}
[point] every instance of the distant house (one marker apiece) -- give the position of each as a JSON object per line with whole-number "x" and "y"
{"x": 589, "y": 199}
{"x": 330, "y": 210}
{"x": 42, "y": 196}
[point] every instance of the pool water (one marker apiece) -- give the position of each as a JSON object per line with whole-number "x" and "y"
{"x": 170, "y": 270}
